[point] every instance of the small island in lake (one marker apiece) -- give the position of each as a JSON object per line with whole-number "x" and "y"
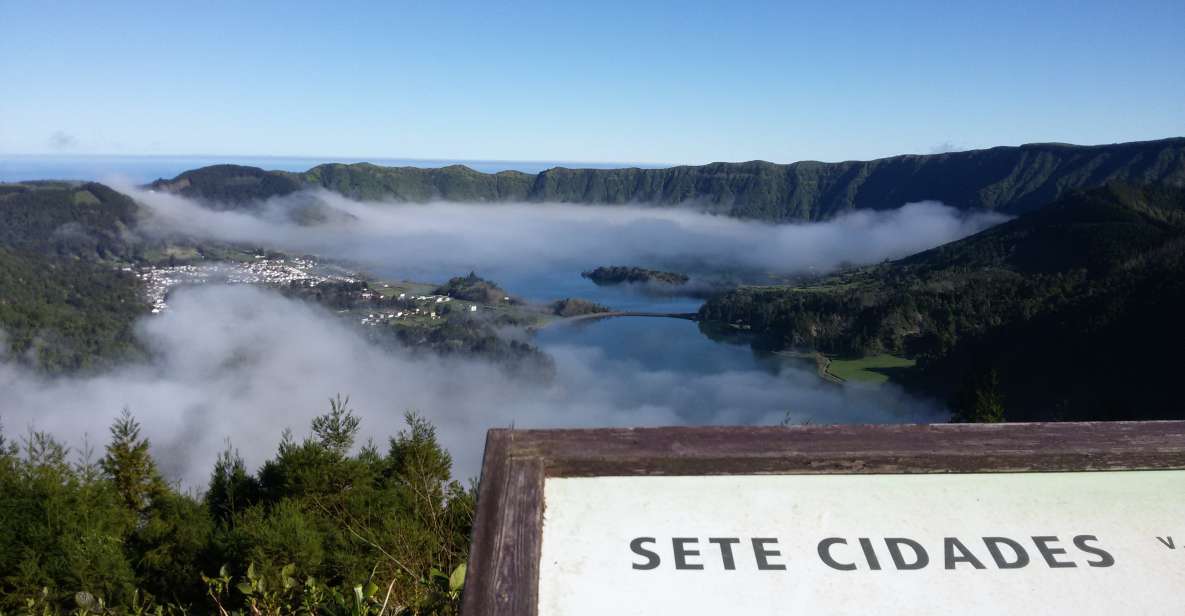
{"x": 618, "y": 274}
{"x": 574, "y": 307}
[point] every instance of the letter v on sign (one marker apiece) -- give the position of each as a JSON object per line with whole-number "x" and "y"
{"x": 1168, "y": 542}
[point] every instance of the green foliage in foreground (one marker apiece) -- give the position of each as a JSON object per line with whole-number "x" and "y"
{"x": 316, "y": 530}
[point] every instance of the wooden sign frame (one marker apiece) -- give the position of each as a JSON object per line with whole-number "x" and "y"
{"x": 503, "y": 572}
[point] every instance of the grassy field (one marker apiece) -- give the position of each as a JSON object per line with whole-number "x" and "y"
{"x": 870, "y": 369}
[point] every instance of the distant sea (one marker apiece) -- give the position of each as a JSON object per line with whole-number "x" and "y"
{"x": 144, "y": 169}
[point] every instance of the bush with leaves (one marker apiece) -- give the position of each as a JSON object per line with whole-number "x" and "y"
{"x": 323, "y": 527}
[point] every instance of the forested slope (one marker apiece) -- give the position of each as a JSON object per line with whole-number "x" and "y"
{"x": 63, "y": 304}
{"x": 79, "y": 220}
{"x": 1012, "y": 180}
{"x": 1071, "y": 311}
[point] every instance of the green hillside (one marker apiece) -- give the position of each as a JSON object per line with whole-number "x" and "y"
{"x": 63, "y": 314}
{"x": 230, "y": 184}
{"x": 453, "y": 183}
{"x": 1068, "y": 308}
{"x": 63, "y": 304}
{"x": 80, "y": 220}
{"x": 1013, "y": 180}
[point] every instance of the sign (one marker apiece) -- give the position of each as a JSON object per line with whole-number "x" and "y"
{"x": 833, "y": 544}
{"x": 1004, "y": 519}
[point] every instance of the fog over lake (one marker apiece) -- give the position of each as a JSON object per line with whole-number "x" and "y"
{"x": 245, "y": 362}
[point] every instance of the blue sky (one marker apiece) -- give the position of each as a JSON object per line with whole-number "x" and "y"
{"x": 678, "y": 82}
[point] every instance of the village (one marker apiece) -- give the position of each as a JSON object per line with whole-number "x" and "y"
{"x": 159, "y": 281}
{"x": 430, "y": 306}
{"x": 305, "y": 277}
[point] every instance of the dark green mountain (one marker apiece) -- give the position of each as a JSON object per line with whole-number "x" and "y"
{"x": 1071, "y": 310}
{"x": 63, "y": 304}
{"x": 63, "y": 314}
{"x": 453, "y": 183}
{"x": 1013, "y": 180}
{"x": 80, "y": 220}
{"x": 230, "y": 184}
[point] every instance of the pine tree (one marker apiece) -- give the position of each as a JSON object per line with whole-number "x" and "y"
{"x": 337, "y": 429}
{"x": 130, "y": 466}
{"x": 232, "y": 489}
{"x": 981, "y": 402}
{"x": 171, "y": 529}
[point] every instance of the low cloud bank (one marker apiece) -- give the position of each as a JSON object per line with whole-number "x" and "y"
{"x": 244, "y": 363}
{"x": 439, "y": 238}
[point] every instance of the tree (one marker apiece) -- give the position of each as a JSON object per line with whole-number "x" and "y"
{"x": 232, "y": 489}
{"x": 982, "y": 401}
{"x": 8, "y": 450}
{"x": 116, "y": 538}
{"x": 336, "y": 429}
{"x": 130, "y": 466}
{"x": 171, "y": 530}
{"x": 63, "y": 528}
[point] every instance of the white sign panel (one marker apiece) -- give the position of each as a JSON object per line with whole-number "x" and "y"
{"x": 1033, "y": 543}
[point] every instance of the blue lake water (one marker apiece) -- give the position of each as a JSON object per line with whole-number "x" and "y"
{"x": 546, "y": 286}
{"x": 670, "y": 366}
{"x": 663, "y": 344}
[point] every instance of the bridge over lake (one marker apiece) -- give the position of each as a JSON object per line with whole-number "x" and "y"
{"x": 688, "y": 316}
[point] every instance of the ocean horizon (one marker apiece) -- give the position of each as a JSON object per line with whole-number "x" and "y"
{"x": 141, "y": 169}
